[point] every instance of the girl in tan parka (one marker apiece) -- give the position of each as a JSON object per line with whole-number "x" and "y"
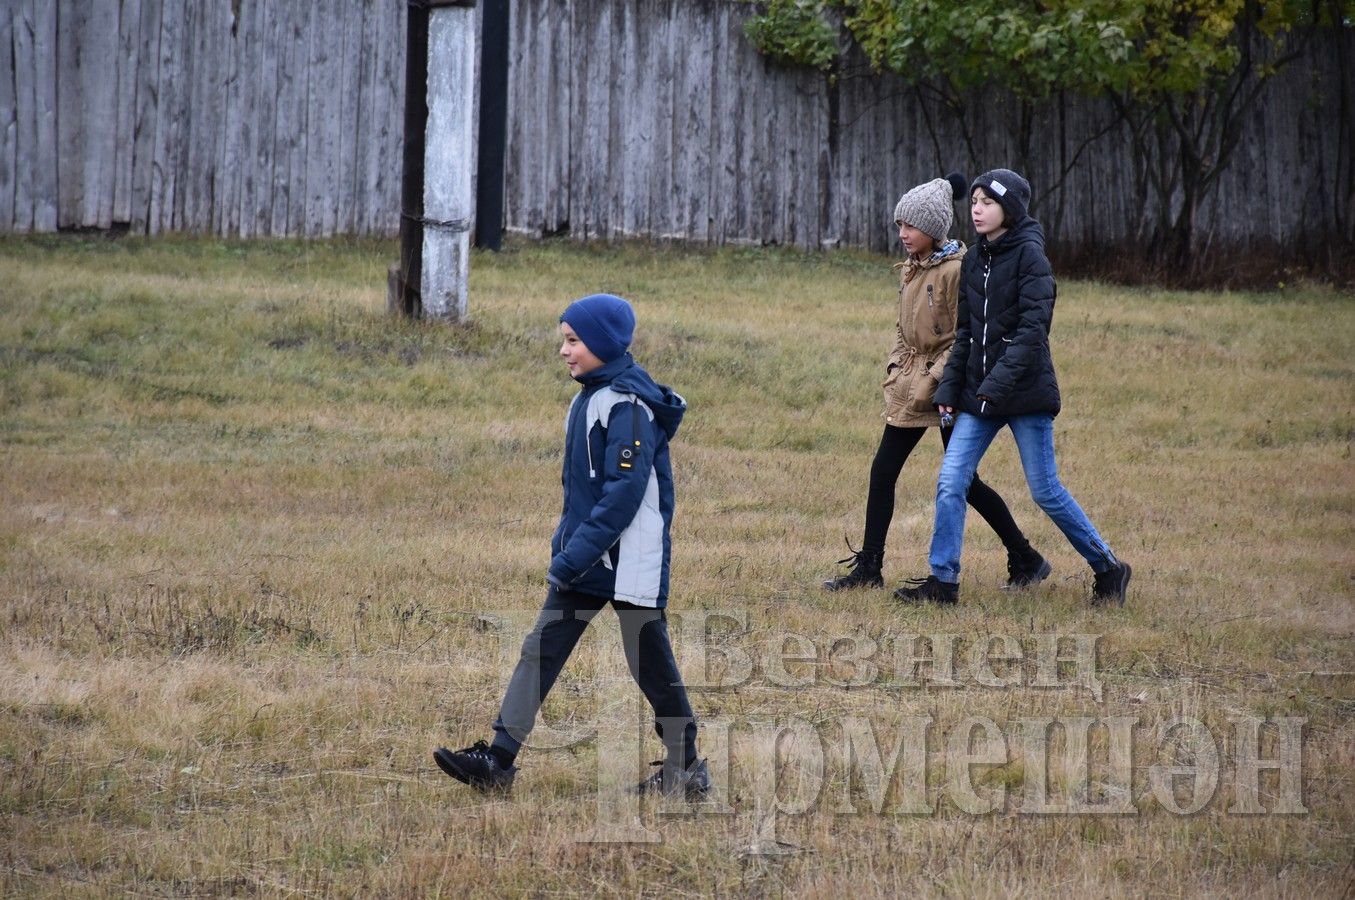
{"x": 928, "y": 295}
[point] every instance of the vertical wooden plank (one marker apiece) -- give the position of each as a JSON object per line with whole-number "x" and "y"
{"x": 98, "y": 105}
{"x": 771, "y": 156}
{"x": 148, "y": 105}
{"x": 350, "y": 97}
{"x": 363, "y": 136}
{"x": 129, "y": 60}
{"x": 9, "y": 124}
{"x": 538, "y": 81}
{"x": 25, "y": 116}
{"x": 726, "y": 110}
{"x": 261, "y": 199}
{"x": 395, "y": 82}
{"x": 166, "y": 182}
{"x": 230, "y": 31}
{"x": 752, "y": 88}
{"x": 45, "y": 183}
{"x": 632, "y": 123}
{"x": 275, "y": 191}
{"x": 692, "y": 190}
{"x": 578, "y": 23}
{"x": 290, "y": 130}
{"x": 382, "y": 137}
{"x": 211, "y": 40}
{"x": 189, "y": 154}
{"x": 318, "y": 219}
{"x": 256, "y": 71}
{"x": 215, "y": 38}
{"x": 70, "y": 49}
{"x": 522, "y": 52}
{"x": 383, "y": 148}
{"x": 659, "y": 83}
{"x": 816, "y": 163}
{"x": 69, "y": 119}
{"x": 559, "y": 170}
{"x": 329, "y": 29}
{"x": 245, "y": 60}
{"x": 304, "y": 216}
{"x": 590, "y": 159}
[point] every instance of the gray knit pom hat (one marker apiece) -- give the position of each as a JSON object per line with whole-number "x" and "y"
{"x": 930, "y": 207}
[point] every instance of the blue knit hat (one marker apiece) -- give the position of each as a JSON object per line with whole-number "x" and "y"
{"x": 605, "y": 323}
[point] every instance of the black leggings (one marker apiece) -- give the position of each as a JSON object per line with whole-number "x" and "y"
{"x": 895, "y": 445}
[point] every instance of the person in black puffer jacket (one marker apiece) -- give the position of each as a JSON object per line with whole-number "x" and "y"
{"x": 1000, "y": 373}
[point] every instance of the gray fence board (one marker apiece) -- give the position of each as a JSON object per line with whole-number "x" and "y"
{"x": 127, "y": 61}
{"x": 9, "y": 125}
{"x": 25, "y": 116}
{"x": 147, "y": 104}
{"x": 45, "y": 73}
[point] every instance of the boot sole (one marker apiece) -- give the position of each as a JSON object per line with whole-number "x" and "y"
{"x": 833, "y": 587}
{"x": 917, "y": 600}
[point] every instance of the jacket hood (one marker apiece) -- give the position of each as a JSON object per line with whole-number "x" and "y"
{"x": 1026, "y": 231}
{"x": 626, "y": 376}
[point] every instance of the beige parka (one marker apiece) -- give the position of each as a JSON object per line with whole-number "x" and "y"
{"x": 929, "y": 292}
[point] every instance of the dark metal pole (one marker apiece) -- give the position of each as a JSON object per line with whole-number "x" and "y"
{"x": 405, "y": 297}
{"x": 493, "y": 124}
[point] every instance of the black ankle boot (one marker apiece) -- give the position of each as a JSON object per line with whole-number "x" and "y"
{"x": 866, "y": 571}
{"x": 1026, "y": 568}
{"x": 1111, "y": 585}
{"x": 929, "y": 589}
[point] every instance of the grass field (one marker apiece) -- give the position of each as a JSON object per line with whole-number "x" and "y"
{"x": 255, "y": 536}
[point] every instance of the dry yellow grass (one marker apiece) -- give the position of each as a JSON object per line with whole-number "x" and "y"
{"x": 250, "y": 526}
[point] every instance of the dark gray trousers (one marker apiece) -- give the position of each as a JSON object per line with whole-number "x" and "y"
{"x": 649, "y": 655}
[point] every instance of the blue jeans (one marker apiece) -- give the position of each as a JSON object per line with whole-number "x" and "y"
{"x": 1034, "y": 435}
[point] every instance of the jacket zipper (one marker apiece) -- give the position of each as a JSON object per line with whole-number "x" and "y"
{"x": 588, "y": 444}
{"x": 987, "y": 269}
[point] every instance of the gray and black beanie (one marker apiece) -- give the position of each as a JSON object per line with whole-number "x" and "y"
{"x": 930, "y": 207}
{"x": 1011, "y": 191}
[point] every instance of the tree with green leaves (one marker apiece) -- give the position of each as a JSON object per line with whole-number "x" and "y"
{"x": 1180, "y": 75}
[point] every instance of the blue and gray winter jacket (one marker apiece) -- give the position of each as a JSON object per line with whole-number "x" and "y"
{"x": 612, "y": 540}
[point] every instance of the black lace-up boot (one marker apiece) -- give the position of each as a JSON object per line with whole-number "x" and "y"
{"x": 476, "y": 766}
{"x": 1111, "y": 585}
{"x": 1026, "y": 568}
{"x": 866, "y": 571}
{"x": 672, "y": 780}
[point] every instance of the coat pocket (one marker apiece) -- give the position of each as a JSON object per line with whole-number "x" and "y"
{"x": 924, "y": 389}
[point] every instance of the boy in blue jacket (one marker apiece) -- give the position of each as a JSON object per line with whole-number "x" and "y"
{"x": 611, "y": 546}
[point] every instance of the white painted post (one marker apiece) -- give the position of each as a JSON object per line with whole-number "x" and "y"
{"x": 448, "y": 162}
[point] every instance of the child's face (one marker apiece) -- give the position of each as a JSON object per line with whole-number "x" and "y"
{"x": 578, "y": 358}
{"x": 988, "y": 215}
{"x": 917, "y": 243}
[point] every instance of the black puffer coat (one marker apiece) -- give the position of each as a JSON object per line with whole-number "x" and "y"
{"x": 1001, "y": 349}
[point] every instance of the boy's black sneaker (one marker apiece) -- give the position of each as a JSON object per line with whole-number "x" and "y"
{"x": 476, "y": 766}
{"x": 1026, "y": 570}
{"x": 1111, "y": 585}
{"x": 930, "y": 589}
{"x": 674, "y": 781}
{"x": 866, "y": 571}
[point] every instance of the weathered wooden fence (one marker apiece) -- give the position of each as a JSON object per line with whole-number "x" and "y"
{"x": 626, "y": 118}
{"x": 233, "y": 117}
